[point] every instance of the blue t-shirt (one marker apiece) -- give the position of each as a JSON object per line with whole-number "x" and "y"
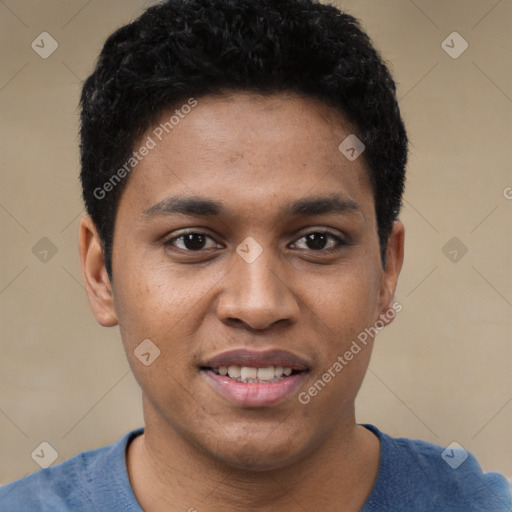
{"x": 413, "y": 476}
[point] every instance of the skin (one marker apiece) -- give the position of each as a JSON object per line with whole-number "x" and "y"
{"x": 256, "y": 155}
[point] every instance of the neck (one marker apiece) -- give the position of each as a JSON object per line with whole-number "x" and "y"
{"x": 168, "y": 473}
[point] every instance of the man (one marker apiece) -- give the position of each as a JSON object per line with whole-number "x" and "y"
{"x": 243, "y": 166}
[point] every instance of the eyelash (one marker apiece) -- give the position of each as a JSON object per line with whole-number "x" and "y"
{"x": 339, "y": 242}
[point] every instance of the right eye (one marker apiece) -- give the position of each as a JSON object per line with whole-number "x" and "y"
{"x": 191, "y": 241}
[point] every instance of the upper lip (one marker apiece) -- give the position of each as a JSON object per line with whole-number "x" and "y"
{"x": 257, "y": 359}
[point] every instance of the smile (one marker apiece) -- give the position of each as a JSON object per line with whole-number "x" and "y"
{"x": 254, "y": 378}
{"x": 253, "y": 375}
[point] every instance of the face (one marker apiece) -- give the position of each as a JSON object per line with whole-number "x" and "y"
{"x": 246, "y": 242}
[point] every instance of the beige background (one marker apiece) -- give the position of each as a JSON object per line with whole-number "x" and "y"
{"x": 440, "y": 372}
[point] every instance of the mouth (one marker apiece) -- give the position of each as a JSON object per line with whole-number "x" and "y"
{"x": 252, "y": 375}
{"x": 255, "y": 378}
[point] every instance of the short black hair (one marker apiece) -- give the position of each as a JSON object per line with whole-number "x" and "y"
{"x": 182, "y": 49}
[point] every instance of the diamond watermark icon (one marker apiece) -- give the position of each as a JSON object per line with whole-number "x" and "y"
{"x": 351, "y": 147}
{"x": 45, "y": 454}
{"x": 454, "y": 249}
{"x": 44, "y": 45}
{"x": 454, "y": 455}
{"x": 146, "y": 352}
{"x": 454, "y": 45}
{"x": 249, "y": 249}
{"x": 44, "y": 250}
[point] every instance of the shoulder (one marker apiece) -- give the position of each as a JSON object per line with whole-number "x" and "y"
{"x": 54, "y": 488}
{"x": 75, "y": 484}
{"x": 426, "y": 476}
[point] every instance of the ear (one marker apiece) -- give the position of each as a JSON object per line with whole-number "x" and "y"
{"x": 97, "y": 282}
{"x": 394, "y": 261}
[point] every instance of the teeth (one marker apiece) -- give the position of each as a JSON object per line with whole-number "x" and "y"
{"x": 266, "y": 373}
{"x": 234, "y": 372}
{"x": 249, "y": 374}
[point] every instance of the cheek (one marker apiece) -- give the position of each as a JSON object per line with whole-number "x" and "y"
{"x": 151, "y": 306}
{"x": 345, "y": 303}
{"x": 344, "y": 350}
{"x": 343, "y": 309}
{"x": 152, "y": 298}
{"x": 167, "y": 307}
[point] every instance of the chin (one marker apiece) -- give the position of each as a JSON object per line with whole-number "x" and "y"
{"x": 265, "y": 453}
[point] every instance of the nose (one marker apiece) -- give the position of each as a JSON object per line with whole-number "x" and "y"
{"x": 257, "y": 295}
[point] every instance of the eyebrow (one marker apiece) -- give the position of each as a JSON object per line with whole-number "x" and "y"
{"x": 203, "y": 207}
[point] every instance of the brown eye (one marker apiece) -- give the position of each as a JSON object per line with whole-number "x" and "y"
{"x": 191, "y": 242}
{"x": 317, "y": 241}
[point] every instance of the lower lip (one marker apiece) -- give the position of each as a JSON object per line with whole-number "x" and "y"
{"x": 254, "y": 394}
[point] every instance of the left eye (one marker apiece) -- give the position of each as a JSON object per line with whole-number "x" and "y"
{"x": 319, "y": 238}
{"x": 194, "y": 241}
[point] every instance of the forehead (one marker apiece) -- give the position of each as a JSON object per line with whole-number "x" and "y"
{"x": 251, "y": 152}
